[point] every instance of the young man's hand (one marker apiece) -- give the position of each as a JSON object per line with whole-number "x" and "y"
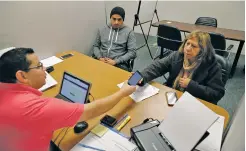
{"x": 103, "y": 60}
{"x": 110, "y": 61}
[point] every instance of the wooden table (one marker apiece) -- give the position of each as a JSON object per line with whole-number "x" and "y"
{"x": 104, "y": 79}
{"x": 230, "y": 34}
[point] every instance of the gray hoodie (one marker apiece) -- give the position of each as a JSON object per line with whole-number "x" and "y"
{"x": 117, "y": 44}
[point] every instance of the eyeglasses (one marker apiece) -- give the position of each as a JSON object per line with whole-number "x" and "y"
{"x": 39, "y": 66}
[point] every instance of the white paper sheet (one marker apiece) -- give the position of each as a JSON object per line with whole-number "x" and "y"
{"x": 50, "y": 81}
{"x": 213, "y": 141}
{"x": 110, "y": 141}
{"x": 143, "y": 92}
{"x": 187, "y": 122}
{"x": 51, "y": 61}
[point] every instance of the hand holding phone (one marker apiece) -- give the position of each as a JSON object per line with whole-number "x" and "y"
{"x": 135, "y": 78}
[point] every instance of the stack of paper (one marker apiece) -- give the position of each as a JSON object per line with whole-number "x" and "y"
{"x": 213, "y": 141}
{"x": 187, "y": 122}
{"x": 110, "y": 141}
{"x": 50, "y": 82}
{"x": 51, "y": 61}
{"x": 143, "y": 92}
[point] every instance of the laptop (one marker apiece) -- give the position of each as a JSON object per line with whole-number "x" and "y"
{"x": 74, "y": 89}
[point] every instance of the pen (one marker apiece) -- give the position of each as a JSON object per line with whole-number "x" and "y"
{"x": 124, "y": 123}
{"x": 86, "y": 146}
{"x": 121, "y": 119}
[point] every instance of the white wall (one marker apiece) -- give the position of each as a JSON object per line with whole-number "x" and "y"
{"x": 230, "y": 14}
{"x": 50, "y": 27}
{"x": 235, "y": 139}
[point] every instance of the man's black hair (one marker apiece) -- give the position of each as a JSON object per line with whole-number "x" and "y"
{"x": 12, "y": 61}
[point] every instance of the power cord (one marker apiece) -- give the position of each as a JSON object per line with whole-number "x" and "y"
{"x": 66, "y": 128}
{"x": 92, "y": 96}
{"x": 58, "y": 135}
{"x": 63, "y": 136}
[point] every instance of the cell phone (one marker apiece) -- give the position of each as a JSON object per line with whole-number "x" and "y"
{"x": 66, "y": 56}
{"x": 50, "y": 69}
{"x": 109, "y": 121}
{"x": 171, "y": 98}
{"x": 135, "y": 78}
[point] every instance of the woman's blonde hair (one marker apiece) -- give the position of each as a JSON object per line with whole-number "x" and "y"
{"x": 204, "y": 42}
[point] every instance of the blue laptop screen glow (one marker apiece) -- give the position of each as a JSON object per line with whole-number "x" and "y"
{"x": 74, "y": 89}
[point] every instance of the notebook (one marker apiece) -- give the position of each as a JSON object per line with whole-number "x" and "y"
{"x": 187, "y": 122}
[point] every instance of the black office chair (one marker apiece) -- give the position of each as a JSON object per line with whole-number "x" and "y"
{"x": 219, "y": 43}
{"x": 225, "y": 68}
{"x": 168, "y": 40}
{"x": 206, "y": 21}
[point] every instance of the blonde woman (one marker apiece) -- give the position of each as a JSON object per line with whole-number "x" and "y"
{"x": 192, "y": 68}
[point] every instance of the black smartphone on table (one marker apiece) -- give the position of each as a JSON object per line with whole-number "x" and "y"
{"x": 109, "y": 121}
{"x": 66, "y": 56}
{"x": 135, "y": 78}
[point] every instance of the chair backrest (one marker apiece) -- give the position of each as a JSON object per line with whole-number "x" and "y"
{"x": 224, "y": 67}
{"x": 168, "y": 37}
{"x": 207, "y": 21}
{"x": 218, "y": 41}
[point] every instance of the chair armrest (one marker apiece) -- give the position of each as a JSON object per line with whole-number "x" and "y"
{"x": 131, "y": 64}
{"x": 223, "y": 53}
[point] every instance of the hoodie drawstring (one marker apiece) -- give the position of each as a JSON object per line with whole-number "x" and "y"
{"x": 117, "y": 35}
{"x": 112, "y": 39}
{"x": 109, "y": 33}
{"x": 111, "y": 43}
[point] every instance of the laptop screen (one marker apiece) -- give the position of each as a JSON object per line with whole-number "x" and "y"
{"x": 74, "y": 89}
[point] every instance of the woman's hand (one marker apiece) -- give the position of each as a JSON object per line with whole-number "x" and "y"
{"x": 184, "y": 82}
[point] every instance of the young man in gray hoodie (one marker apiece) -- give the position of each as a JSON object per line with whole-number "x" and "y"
{"x": 115, "y": 43}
